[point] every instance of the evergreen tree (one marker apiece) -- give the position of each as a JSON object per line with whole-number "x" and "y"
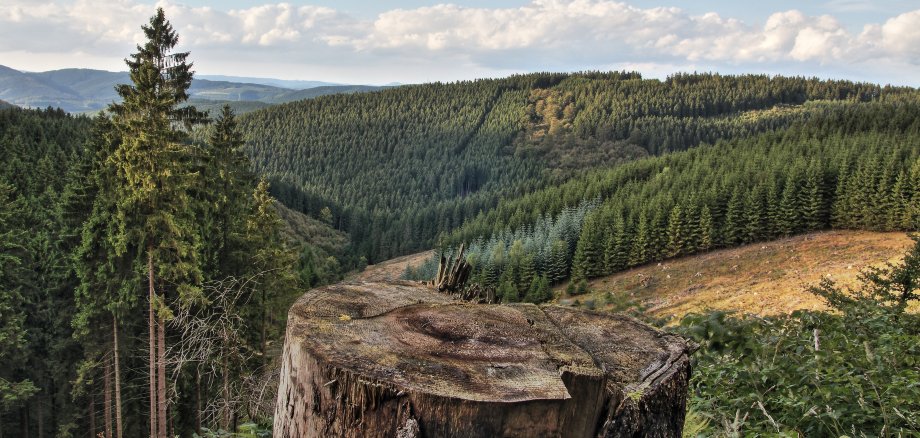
{"x": 507, "y": 292}
{"x": 789, "y": 208}
{"x": 526, "y": 274}
{"x": 706, "y": 229}
{"x": 154, "y": 182}
{"x": 557, "y": 268}
{"x": 539, "y": 291}
{"x": 753, "y": 216}
{"x": 913, "y": 210}
{"x": 225, "y": 184}
{"x": 734, "y": 228}
{"x": 14, "y": 389}
{"x": 774, "y": 214}
{"x": 589, "y": 254}
{"x": 811, "y": 198}
{"x": 676, "y": 232}
{"x": 899, "y": 204}
{"x": 640, "y": 248}
{"x": 692, "y": 231}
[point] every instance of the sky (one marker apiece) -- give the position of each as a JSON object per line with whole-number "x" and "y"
{"x": 412, "y": 41}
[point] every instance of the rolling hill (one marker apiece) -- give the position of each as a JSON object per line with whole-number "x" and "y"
{"x": 85, "y": 90}
{"x": 400, "y": 166}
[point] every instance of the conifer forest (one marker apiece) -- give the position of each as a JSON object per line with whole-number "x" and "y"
{"x": 150, "y": 252}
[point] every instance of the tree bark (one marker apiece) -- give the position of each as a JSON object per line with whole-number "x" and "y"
{"x": 225, "y": 372}
{"x": 107, "y": 398}
{"x": 92, "y": 416}
{"x": 161, "y": 377}
{"x": 152, "y": 368}
{"x": 198, "y": 401}
{"x": 401, "y": 359}
{"x": 118, "y": 429}
{"x": 262, "y": 330}
{"x": 39, "y": 412}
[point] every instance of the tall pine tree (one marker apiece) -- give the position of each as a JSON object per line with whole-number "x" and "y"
{"x": 155, "y": 176}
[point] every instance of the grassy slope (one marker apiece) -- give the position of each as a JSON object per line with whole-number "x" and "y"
{"x": 394, "y": 268}
{"x": 764, "y": 278}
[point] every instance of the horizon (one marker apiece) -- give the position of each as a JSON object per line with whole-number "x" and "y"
{"x": 321, "y": 83}
{"x": 418, "y": 41}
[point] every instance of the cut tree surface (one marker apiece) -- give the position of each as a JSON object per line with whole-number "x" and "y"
{"x": 399, "y": 359}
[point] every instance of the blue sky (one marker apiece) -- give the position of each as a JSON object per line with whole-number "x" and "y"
{"x": 417, "y": 41}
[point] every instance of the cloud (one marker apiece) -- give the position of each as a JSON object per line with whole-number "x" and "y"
{"x": 458, "y": 42}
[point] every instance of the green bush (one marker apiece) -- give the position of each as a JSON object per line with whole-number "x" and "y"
{"x": 851, "y": 372}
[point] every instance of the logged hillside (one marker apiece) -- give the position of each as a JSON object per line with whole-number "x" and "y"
{"x": 853, "y": 167}
{"x": 398, "y": 167}
{"x": 769, "y": 278}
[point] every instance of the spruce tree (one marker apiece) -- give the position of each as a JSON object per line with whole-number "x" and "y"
{"x": 640, "y": 247}
{"x": 811, "y": 198}
{"x": 913, "y": 210}
{"x": 734, "y": 227}
{"x": 225, "y": 184}
{"x": 155, "y": 179}
{"x": 557, "y": 269}
{"x": 899, "y": 204}
{"x": 15, "y": 389}
{"x": 676, "y": 232}
{"x": 774, "y": 215}
{"x": 790, "y": 211}
{"x": 753, "y": 216}
{"x": 589, "y": 254}
{"x": 707, "y": 229}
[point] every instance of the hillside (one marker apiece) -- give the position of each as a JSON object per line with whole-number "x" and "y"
{"x": 766, "y": 278}
{"x": 399, "y": 166}
{"x": 85, "y": 90}
{"x": 393, "y": 269}
{"x": 4, "y": 104}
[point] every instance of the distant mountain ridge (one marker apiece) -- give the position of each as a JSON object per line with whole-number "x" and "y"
{"x": 280, "y": 83}
{"x": 79, "y": 90}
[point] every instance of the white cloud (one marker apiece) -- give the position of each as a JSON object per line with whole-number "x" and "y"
{"x": 542, "y": 35}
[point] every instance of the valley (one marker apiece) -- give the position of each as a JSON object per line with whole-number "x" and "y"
{"x": 717, "y": 253}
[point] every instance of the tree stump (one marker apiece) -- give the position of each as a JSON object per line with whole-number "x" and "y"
{"x": 399, "y": 359}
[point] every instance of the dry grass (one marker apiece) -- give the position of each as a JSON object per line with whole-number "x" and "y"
{"x": 392, "y": 269}
{"x": 765, "y": 278}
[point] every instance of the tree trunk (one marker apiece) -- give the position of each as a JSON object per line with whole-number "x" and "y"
{"x": 161, "y": 377}
{"x": 262, "y": 330}
{"x": 39, "y": 412}
{"x": 198, "y": 401}
{"x": 225, "y": 420}
{"x": 24, "y": 421}
{"x": 118, "y": 429}
{"x": 92, "y": 416}
{"x": 400, "y": 359}
{"x": 107, "y": 398}
{"x": 152, "y": 368}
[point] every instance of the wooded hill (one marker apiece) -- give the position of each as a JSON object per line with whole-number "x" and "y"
{"x": 851, "y": 166}
{"x": 397, "y": 167}
{"x": 80, "y": 90}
